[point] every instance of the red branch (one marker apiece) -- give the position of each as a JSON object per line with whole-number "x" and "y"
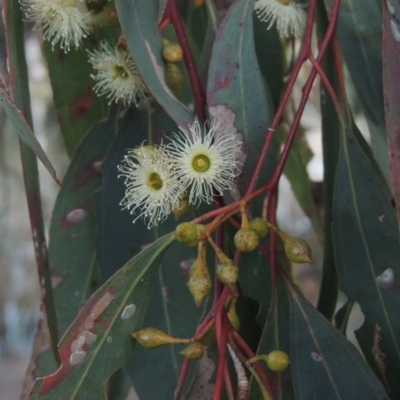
{"x": 171, "y": 14}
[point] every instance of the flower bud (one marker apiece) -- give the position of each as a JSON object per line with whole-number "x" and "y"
{"x": 186, "y": 233}
{"x": 182, "y": 208}
{"x": 172, "y": 52}
{"x": 227, "y": 272}
{"x": 259, "y": 225}
{"x": 153, "y": 337}
{"x": 277, "y": 360}
{"x": 174, "y": 78}
{"x": 297, "y": 250}
{"x": 234, "y": 318}
{"x": 199, "y": 282}
{"x": 193, "y": 351}
{"x": 246, "y": 240}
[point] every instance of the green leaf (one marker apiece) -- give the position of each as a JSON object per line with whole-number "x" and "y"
{"x": 367, "y": 251}
{"x": 271, "y": 58}
{"x": 235, "y": 90}
{"x": 72, "y": 255}
{"x": 323, "y": 363}
{"x": 171, "y": 307}
{"x": 139, "y": 20}
{"x": 391, "y": 83}
{"x": 99, "y": 337}
{"x": 360, "y": 36}
{"x": 330, "y": 147}
{"x": 78, "y": 107}
{"x": 23, "y": 129}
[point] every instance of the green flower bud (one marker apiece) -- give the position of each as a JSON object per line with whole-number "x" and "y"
{"x": 182, "y": 208}
{"x": 153, "y": 337}
{"x": 186, "y": 233}
{"x": 174, "y": 78}
{"x": 277, "y": 360}
{"x": 234, "y": 318}
{"x": 199, "y": 282}
{"x": 193, "y": 351}
{"x": 227, "y": 272}
{"x": 259, "y": 225}
{"x": 297, "y": 250}
{"x": 246, "y": 240}
{"x": 172, "y": 52}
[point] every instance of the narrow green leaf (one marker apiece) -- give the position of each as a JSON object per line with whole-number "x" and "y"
{"x": 99, "y": 341}
{"x": 330, "y": 147}
{"x": 72, "y": 255}
{"x": 271, "y": 58}
{"x": 78, "y": 107}
{"x": 367, "y": 251}
{"x": 324, "y": 364}
{"x": 391, "y": 84}
{"x": 360, "y": 36}
{"x": 23, "y": 129}
{"x": 19, "y": 90}
{"x": 235, "y": 90}
{"x": 139, "y": 20}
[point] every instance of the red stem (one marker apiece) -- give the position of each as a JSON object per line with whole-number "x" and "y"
{"x": 221, "y": 327}
{"x": 171, "y": 13}
{"x": 182, "y": 377}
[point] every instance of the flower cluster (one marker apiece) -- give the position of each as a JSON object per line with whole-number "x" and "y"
{"x": 288, "y": 15}
{"x": 194, "y": 163}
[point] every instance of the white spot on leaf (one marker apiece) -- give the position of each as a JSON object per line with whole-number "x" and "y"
{"x": 97, "y": 166}
{"x": 89, "y": 337}
{"x": 77, "y": 357}
{"x": 77, "y": 344}
{"x": 316, "y": 357}
{"x": 128, "y": 311}
{"x": 76, "y": 215}
{"x": 381, "y": 218}
{"x": 386, "y": 279}
{"x": 109, "y": 339}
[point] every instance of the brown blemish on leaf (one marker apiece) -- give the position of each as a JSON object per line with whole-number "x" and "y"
{"x": 89, "y": 171}
{"x": 379, "y": 355}
{"x": 85, "y": 321}
{"x": 83, "y": 104}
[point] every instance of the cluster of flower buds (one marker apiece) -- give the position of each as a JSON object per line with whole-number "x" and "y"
{"x": 151, "y": 338}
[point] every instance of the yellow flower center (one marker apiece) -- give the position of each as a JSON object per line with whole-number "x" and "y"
{"x": 120, "y": 72}
{"x": 201, "y": 163}
{"x": 154, "y": 181}
{"x": 284, "y": 2}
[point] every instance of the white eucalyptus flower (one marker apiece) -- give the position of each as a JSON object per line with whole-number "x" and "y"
{"x": 204, "y": 161}
{"x": 289, "y": 16}
{"x": 152, "y": 190}
{"x": 64, "y": 21}
{"x": 117, "y": 75}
